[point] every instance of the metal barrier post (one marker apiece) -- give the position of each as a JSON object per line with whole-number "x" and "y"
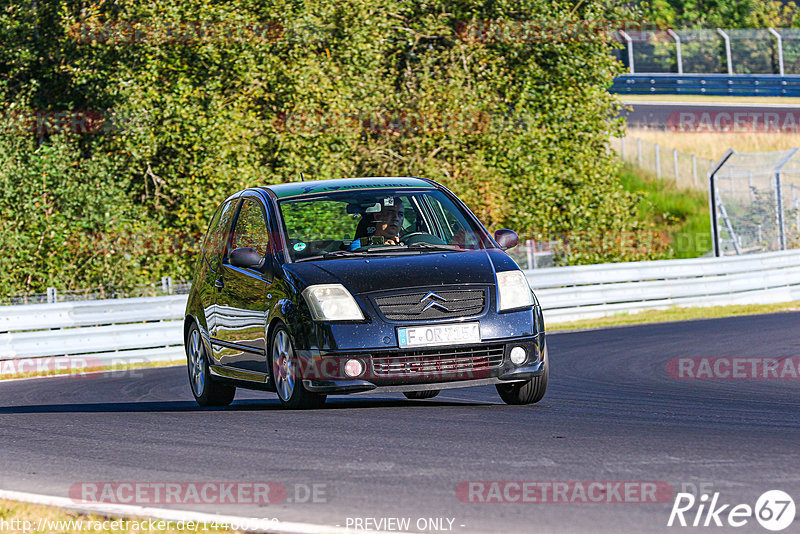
{"x": 730, "y": 179}
{"x": 796, "y": 206}
{"x": 675, "y": 163}
{"x": 529, "y": 244}
{"x": 639, "y": 151}
{"x": 727, "y": 50}
{"x": 780, "y": 49}
{"x": 629, "y": 43}
{"x": 52, "y": 295}
{"x": 166, "y": 285}
{"x": 779, "y": 207}
{"x": 712, "y": 200}
{"x": 658, "y": 161}
{"x": 678, "y": 50}
{"x": 779, "y": 203}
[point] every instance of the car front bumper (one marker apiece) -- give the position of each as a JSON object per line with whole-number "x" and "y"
{"x": 425, "y": 370}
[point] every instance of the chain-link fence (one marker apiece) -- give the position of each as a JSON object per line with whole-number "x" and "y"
{"x": 756, "y": 204}
{"x": 725, "y": 51}
{"x": 165, "y": 287}
{"x": 685, "y": 170}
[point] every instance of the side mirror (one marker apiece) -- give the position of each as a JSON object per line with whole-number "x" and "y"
{"x": 246, "y": 258}
{"x": 506, "y": 238}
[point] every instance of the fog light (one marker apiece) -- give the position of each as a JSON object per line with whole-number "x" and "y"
{"x": 518, "y": 355}
{"x": 353, "y": 368}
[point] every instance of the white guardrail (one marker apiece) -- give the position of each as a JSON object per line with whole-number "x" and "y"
{"x": 150, "y": 329}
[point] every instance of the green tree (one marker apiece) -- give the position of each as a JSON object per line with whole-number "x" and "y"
{"x": 197, "y": 99}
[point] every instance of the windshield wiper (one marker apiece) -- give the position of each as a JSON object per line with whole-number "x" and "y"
{"x": 331, "y": 255}
{"x": 414, "y": 247}
{"x": 380, "y": 249}
{"x": 433, "y": 246}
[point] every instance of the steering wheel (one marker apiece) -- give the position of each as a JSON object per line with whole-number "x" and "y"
{"x": 422, "y": 237}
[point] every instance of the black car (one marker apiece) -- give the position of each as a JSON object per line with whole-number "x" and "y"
{"x": 358, "y": 285}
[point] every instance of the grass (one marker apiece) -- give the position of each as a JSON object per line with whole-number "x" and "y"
{"x": 677, "y": 314}
{"x": 710, "y": 99}
{"x": 57, "y": 521}
{"x": 681, "y": 213}
{"x": 713, "y": 145}
{"x": 78, "y": 372}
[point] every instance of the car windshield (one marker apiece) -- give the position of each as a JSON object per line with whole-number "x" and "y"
{"x": 359, "y": 223}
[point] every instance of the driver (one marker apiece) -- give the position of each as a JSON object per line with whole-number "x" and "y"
{"x": 386, "y": 223}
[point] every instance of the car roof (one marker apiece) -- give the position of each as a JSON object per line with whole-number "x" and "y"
{"x": 296, "y": 189}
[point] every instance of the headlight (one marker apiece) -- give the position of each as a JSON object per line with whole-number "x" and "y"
{"x": 513, "y": 290}
{"x": 332, "y": 302}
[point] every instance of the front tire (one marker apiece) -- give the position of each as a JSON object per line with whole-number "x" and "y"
{"x": 529, "y": 392}
{"x": 414, "y": 395}
{"x": 206, "y": 390}
{"x": 285, "y": 376}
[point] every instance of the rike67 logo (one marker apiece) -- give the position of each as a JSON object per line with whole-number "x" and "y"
{"x": 774, "y": 510}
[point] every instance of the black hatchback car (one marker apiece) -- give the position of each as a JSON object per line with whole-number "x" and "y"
{"x": 359, "y": 285}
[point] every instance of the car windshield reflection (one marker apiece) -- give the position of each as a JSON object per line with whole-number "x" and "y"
{"x": 356, "y": 223}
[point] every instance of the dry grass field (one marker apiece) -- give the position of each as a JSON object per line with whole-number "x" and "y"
{"x": 714, "y": 145}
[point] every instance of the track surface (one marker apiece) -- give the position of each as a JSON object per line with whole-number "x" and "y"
{"x": 612, "y": 413}
{"x": 661, "y": 115}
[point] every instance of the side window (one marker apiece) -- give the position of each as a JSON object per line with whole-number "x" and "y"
{"x": 214, "y": 245}
{"x": 413, "y": 221}
{"x": 251, "y": 228}
{"x": 455, "y": 227}
{"x": 207, "y": 241}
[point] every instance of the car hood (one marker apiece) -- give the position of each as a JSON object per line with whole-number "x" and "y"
{"x": 377, "y": 273}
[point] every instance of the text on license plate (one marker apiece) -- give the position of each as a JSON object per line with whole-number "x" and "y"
{"x": 440, "y": 334}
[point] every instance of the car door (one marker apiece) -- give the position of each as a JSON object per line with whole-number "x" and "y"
{"x": 245, "y": 297}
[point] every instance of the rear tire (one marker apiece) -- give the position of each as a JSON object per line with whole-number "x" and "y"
{"x": 414, "y": 395}
{"x": 206, "y": 390}
{"x": 529, "y": 392}
{"x": 288, "y": 384}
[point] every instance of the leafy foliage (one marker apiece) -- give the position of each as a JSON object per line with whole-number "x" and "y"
{"x": 722, "y": 13}
{"x": 198, "y": 99}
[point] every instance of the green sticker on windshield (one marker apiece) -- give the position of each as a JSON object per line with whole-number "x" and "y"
{"x": 299, "y": 246}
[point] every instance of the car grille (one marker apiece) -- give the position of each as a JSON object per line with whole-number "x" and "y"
{"x": 426, "y": 305}
{"x": 441, "y": 361}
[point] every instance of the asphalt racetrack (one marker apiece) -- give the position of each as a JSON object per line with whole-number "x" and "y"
{"x": 613, "y": 413}
{"x": 718, "y": 116}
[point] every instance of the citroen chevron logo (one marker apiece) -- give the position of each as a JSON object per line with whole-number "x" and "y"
{"x": 433, "y": 303}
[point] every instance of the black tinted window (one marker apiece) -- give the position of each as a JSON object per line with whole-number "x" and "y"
{"x": 251, "y": 228}
{"x": 214, "y": 246}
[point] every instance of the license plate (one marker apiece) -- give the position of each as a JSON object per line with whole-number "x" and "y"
{"x": 439, "y": 334}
